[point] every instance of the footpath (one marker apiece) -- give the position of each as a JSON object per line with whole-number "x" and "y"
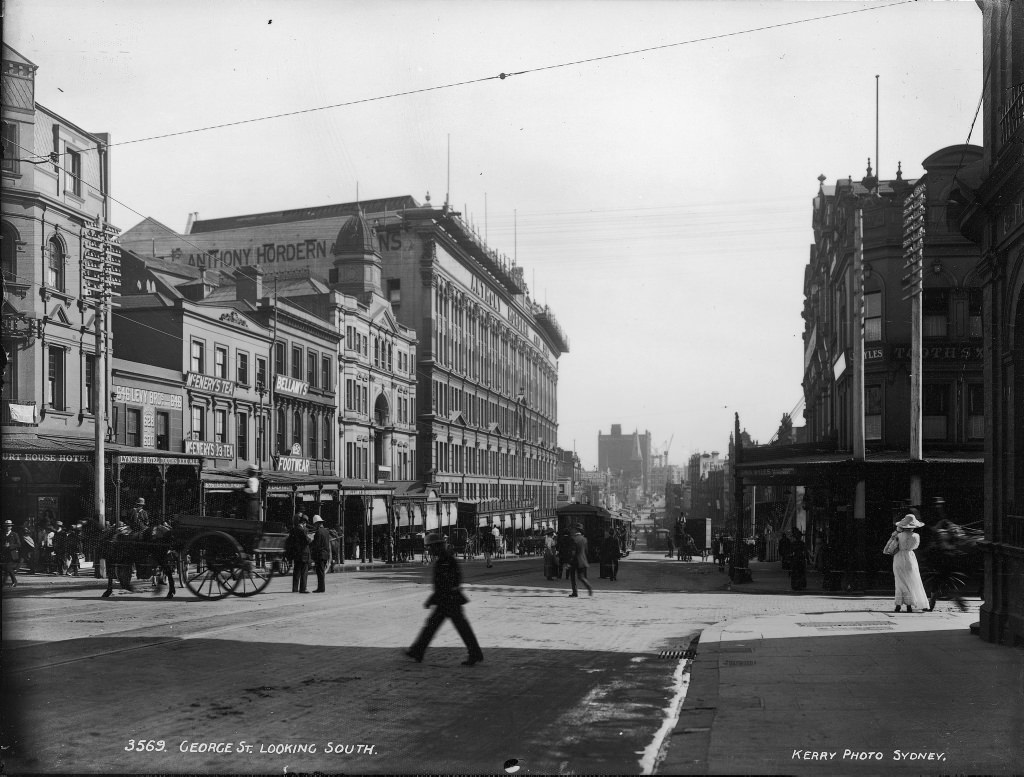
{"x": 868, "y": 692}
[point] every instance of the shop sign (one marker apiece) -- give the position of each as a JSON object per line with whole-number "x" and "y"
{"x": 157, "y": 460}
{"x": 61, "y": 457}
{"x": 291, "y": 385}
{"x": 138, "y": 396}
{"x": 148, "y": 427}
{"x": 290, "y": 464}
{"x": 194, "y": 380}
{"x": 942, "y": 352}
{"x": 874, "y": 354}
{"x": 210, "y": 450}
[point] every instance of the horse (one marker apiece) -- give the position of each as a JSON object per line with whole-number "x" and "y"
{"x": 948, "y": 560}
{"x": 154, "y": 548}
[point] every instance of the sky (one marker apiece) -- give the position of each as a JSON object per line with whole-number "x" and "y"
{"x": 651, "y": 164}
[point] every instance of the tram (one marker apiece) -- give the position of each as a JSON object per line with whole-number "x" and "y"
{"x": 594, "y": 520}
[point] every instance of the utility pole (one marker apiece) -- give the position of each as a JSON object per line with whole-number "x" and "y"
{"x": 859, "y": 271}
{"x": 913, "y": 251}
{"x": 101, "y": 276}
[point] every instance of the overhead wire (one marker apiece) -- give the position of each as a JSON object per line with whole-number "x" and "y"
{"x": 504, "y": 76}
{"x": 162, "y": 226}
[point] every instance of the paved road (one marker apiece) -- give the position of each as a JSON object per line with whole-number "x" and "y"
{"x": 320, "y": 682}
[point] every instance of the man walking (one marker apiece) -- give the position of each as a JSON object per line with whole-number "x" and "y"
{"x": 447, "y": 601}
{"x": 320, "y": 553}
{"x": 580, "y": 561}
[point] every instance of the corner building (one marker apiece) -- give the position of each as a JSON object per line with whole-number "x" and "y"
{"x": 486, "y": 355}
{"x": 990, "y": 206}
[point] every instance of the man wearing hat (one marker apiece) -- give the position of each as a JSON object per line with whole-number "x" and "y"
{"x": 320, "y": 553}
{"x": 447, "y": 601}
{"x": 296, "y": 550}
{"x": 578, "y": 567}
{"x": 138, "y": 518}
{"x": 11, "y": 554}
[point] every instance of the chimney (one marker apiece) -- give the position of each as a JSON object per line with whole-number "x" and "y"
{"x": 249, "y": 285}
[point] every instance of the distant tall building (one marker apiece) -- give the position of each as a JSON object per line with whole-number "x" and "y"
{"x": 628, "y": 458}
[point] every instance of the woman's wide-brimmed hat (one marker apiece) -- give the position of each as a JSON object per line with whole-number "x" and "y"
{"x": 909, "y": 522}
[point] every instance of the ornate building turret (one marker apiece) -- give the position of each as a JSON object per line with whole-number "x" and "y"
{"x": 357, "y": 260}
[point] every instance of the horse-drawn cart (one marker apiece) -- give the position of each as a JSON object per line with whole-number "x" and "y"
{"x": 222, "y": 556}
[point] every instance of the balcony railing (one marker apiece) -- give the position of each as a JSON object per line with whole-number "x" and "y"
{"x": 1013, "y": 117}
{"x": 24, "y": 413}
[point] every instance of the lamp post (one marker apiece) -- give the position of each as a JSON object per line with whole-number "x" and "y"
{"x": 261, "y": 390}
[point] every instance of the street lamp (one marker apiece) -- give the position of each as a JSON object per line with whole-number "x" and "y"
{"x": 261, "y": 390}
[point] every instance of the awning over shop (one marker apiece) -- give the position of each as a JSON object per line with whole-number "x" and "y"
{"x": 59, "y": 448}
{"x": 796, "y": 465}
{"x": 286, "y": 483}
{"x": 380, "y": 511}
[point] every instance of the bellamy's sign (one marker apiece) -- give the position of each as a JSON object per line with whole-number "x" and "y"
{"x": 291, "y": 385}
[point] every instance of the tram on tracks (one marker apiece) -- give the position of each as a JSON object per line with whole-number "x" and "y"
{"x": 595, "y": 520}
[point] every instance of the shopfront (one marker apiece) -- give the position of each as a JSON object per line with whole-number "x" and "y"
{"x": 47, "y": 479}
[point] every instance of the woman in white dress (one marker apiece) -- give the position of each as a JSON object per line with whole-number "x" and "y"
{"x": 909, "y": 588}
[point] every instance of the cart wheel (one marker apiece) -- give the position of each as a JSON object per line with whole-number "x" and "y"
{"x": 208, "y": 562}
{"x": 247, "y": 579}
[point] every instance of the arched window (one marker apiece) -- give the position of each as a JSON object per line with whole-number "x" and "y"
{"x": 327, "y": 437}
{"x": 55, "y": 264}
{"x": 280, "y": 431}
{"x": 296, "y": 428}
{"x": 9, "y": 251}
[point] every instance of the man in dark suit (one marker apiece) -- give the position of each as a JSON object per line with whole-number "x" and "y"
{"x": 320, "y": 553}
{"x": 447, "y": 601}
{"x": 580, "y": 561}
{"x": 296, "y": 550}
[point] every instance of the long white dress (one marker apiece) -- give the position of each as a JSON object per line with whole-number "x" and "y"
{"x": 909, "y": 588}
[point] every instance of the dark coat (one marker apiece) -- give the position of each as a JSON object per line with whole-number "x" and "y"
{"x": 12, "y": 548}
{"x": 580, "y": 559}
{"x": 566, "y": 548}
{"x": 447, "y": 581}
{"x": 138, "y": 519}
{"x": 610, "y": 550}
{"x": 296, "y": 545}
{"x": 320, "y": 547}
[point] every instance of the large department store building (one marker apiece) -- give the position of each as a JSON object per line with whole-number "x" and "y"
{"x": 484, "y": 368}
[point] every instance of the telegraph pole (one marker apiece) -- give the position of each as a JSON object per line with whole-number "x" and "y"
{"x": 913, "y": 248}
{"x": 101, "y": 276}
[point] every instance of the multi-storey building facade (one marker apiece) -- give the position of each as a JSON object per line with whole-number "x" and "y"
{"x": 628, "y": 457}
{"x": 857, "y": 481}
{"x": 56, "y": 183}
{"x": 257, "y": 380}
{"x": 485, "y": 357}
{"x": 991, "y": 210}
